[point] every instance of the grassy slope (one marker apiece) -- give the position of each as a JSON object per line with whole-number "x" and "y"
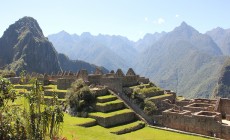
{"x": 99, "y": 133}
{"x": 73, "y": 132}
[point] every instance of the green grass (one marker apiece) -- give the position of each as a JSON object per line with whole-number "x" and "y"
{"x": 179, "y": 98}
{"x": 106, "y": 97}
{"x": 50, "y": 97}
{"x": 76, "y": 120}
{"x": 127, "y": 126}
{"x": 73, "y": 132}
{"x": 50, "y": 87}
{"x": 18, "y": 86}
{"x": 99, "y": 133}
{"x": 56, "y": 90}
{"x": 109, "y": 103}
{"x": 21, "y": 90}
{"x": 139, "y": 86}
{"x": 148, "y": 90}
{"x": 160, "y": 96}
{"x": 114, "y": 113}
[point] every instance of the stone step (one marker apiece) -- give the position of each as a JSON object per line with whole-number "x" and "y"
{"x": 126, "y": 128}
{"x": 106, "y": 98}
{"x": 114, "y": 118}
{"x": 109, "y": 106}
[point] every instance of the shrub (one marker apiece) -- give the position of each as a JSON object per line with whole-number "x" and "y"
{"x": 150, "y": 107}
{"x": 79, "y": 98}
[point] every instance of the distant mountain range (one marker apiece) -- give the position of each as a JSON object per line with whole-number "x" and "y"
{"x": 24, "y": 47}
{"x": 183, "y": 60}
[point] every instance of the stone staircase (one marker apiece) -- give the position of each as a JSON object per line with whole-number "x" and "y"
{"x": 112, "y": 113}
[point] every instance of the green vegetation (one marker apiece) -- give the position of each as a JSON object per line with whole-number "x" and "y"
{"x": 160, "y": 96}
{"x": 6, "y": 73}
{"x": 28, "y": 117}
{"x": 70, "y": 130}
{"x": 68, "y": 119}
{"x": 80, "y": 98}
{"x": 100, "y": 133}
{"x": 114, "y": 113}
{"x": 127, "y": 128}
{"x": 150, "y": 107}
{"x": 105, "y": 97}
{"x": 179, "y": 98}
{"x": 109, "y": 103}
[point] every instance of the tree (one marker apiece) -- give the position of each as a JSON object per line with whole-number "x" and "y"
{"x": 11, "y": 124}
{"x": 79, "y": 97}
{"x": 42, "y": 121}
{"x": 35, "y": 122}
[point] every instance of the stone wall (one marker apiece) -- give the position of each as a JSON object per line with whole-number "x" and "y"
{"x": 224, "y": 107}
{"x": 203, "y": 122}
{"x": 95, "y": 79}
{"x": 143, "y": 80}
{"x": 186, "y": 122}
{"x": 114, "y": 120}
{"x": 183, "y": 102}
{"x": 129, "y": 81}
{"x": 15, "y": 80}
{"x": 112, "y": 83}
{"x": 159, "y": 100}
{"x": 64, "y": 84}
{"x": 196, "y": 107}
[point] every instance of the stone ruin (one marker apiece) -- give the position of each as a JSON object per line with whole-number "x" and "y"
{"x": 203, "y": 116}
{"x": 114, "y": 80}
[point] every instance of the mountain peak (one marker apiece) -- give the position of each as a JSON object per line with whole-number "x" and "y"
{"x": 24, "y": 26}
{"x": 28, "y": 23}
{"x": 185, "y": 30}
{"x": 184, "y": 24}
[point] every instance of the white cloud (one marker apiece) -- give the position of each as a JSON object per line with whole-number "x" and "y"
{"x": 146, "y": 19}
{"x": 177, "y": 16}
{"x": 159, "y": 21}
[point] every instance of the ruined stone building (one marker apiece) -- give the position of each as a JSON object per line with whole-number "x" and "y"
{"x": 202, "y": 116}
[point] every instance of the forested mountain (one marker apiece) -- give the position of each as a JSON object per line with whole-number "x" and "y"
{"x": 24, "y": 47}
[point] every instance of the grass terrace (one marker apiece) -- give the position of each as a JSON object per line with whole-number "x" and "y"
{"x": 106, "y": 98}
{"x": 71, "y": 129}
{"x": 160, "y": 96}
{"x": 127, "y": 127}
{"x": 110, "y": 103}
{"x": 111, "y": 114}
{"x": 77, "y": 121}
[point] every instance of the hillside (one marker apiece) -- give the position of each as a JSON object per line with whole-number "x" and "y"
{"x": 112, "y": 52}
{"x": 24, "y": 47}
{"x": 183, "y": 60}
{"x": 223, "y": 85}
{"x": 76, "y": 65}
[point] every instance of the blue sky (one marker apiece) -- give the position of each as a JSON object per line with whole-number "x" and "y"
{"x": 130, "y": 18}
